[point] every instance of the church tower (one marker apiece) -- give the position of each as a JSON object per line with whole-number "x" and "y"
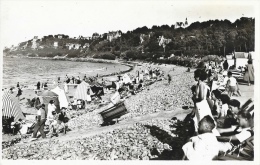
{"x": 186, "y": 22}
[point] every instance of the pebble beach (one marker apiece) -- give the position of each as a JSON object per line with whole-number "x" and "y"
{"x": 146, "y": 132}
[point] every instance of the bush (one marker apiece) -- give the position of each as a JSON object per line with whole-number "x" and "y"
{"x": 132, "y": 54}
{"x": 107, "y": 56}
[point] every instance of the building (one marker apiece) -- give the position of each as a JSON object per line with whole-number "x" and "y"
{"x": 144, "y": 37}
{"x": 113, "y": 35}
{"x": 95, "y": 36}
{"x": 55, "y": 44}
{"x": 163, "y": 41}
{"x": 182, "y": 24}
{"x": 77, "y": 46}
{"x": 86, "y": 45}
{"x": 34, "y": 42}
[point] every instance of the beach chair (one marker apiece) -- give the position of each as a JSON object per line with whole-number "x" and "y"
{"x": 242, "y": 151}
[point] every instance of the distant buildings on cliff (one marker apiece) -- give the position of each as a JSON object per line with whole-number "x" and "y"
{"x": 64, "y": 41}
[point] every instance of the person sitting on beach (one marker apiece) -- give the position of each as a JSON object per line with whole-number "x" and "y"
{"x": 237, "y": 134}
{"x": 224, "y": 108}
{"x": 79, "y": 104}
{"x": 231, "y": 118}
{"x": 116, "y": 98}
{"x": 45, "y": 86}
{"x": 61, "y": 121}
{"x": 205, "y": 145}
{"x": 215, "y": 97}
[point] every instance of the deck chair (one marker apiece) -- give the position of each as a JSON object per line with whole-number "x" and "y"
{"x": 247, "y": 104}
{"x": 243, "y": 151}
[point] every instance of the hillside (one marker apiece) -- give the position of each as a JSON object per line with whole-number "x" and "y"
{"x": 218, "y": 37}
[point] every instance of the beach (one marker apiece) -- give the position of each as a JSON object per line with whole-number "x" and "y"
{"x": 147, "y": 126}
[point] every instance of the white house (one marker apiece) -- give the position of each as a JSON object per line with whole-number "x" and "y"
{"x": 77, "y": 46}
{"x": 113, "y": 35}
{"x": 86, "y": 45}
{"x": 143, "y": 37}
{"x": 55, "y": 44}
{"x": 163, "y": 41}
{"x": 34, "y": 43}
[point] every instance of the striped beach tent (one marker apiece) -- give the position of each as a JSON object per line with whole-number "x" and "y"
{"x": 11, "y": 107}
{"x": 81, "y": 91}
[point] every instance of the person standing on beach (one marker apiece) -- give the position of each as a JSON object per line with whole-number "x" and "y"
{"x": 73, "y": 80}
{"x": 88, "y": 101}
{"x": 38, "y": 85}
{"x": 225, "y": 65}
{"x": 18, "y": 85}
{"x": 41, "y": 118}
{"x": 169, "y": 79}
{"x": 200, "y": 98}
{"x": 249, "y": 74}
{"x": 19, "y": 93}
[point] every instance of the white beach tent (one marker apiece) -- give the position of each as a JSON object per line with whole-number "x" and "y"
{"x": 63, "y": 100}
{"x": 11, "y": 107}
{"x": 81, "y": 91}
{"x": 126, "y": 79}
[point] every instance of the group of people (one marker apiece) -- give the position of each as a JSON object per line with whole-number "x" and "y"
{"x": 52, "y": 119}
{"x": 219, "y": 121}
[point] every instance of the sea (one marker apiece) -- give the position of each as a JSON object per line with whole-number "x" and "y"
{"x": 28, "y": 71}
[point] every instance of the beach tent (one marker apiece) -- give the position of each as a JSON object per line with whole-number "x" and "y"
{"x": 11, "y": 107}
{"x": 63, "y": 100}
{"x": 47, "y": 96}
{"x": 126, "y": 79}
{"x": 81, "y": 91}
{"x": 97, "y": 88}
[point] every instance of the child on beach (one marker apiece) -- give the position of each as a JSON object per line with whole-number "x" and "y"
{"x": 232, "y": 85}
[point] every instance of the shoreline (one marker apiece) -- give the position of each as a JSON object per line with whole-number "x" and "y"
{"x": 90, "y": 60}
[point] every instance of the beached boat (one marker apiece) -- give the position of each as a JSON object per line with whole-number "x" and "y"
{"x": 113, "y": 112}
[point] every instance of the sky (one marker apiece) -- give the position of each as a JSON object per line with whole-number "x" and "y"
{"x": 21, "y": 20}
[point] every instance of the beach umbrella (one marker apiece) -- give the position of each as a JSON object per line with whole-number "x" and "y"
{"x": 11, "y": 107}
